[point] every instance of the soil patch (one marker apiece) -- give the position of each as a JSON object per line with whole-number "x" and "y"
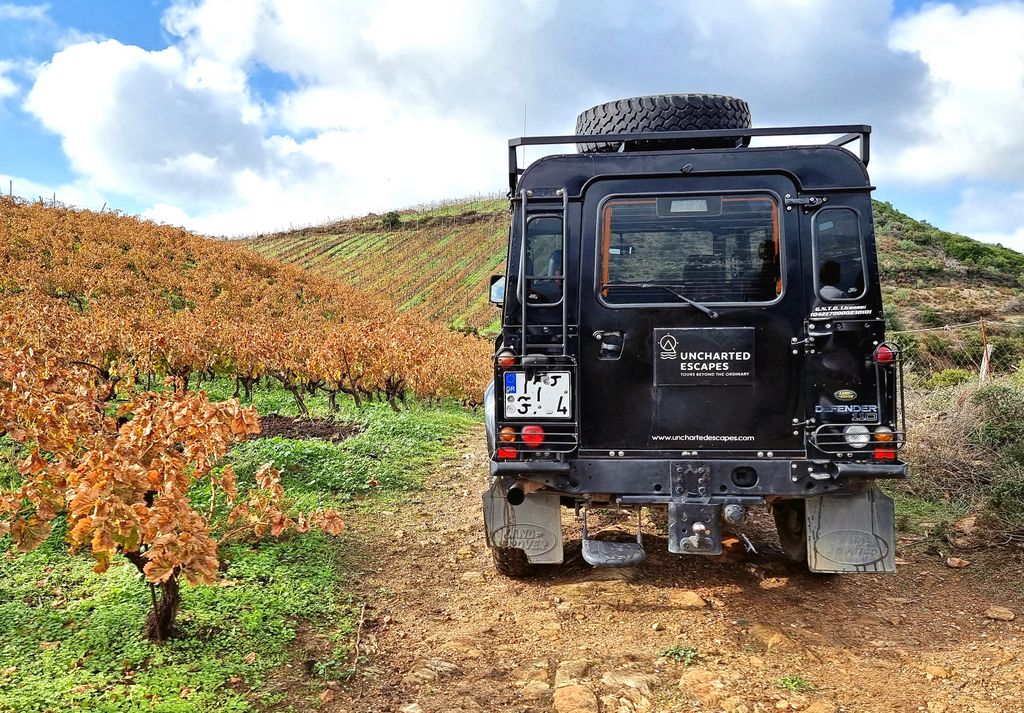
{"x": 745, "y": 632}
{"x": 324, "y": 428}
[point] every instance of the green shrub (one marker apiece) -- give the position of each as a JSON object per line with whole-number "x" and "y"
{"x": 949, "y": 377}
{"x": 391, "y": 220}
{"x": 1001, "y": 406}
{"x": 931, "y": 317}
{"x": 966, "y": 451}
{"x": 893, "y": 319}
{"x": 1006, "y": 500}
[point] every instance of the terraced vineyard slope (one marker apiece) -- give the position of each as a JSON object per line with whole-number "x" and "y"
{"x": 434, "y": 261}
{"x": 437, "y": 261}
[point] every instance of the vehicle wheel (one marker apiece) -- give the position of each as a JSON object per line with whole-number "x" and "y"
{"x": 791, "y": 525}
{"x": 665, "y": 112}
{"x": 512, "y": 562}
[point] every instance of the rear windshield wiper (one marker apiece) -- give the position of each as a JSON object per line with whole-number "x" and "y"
{"x": 670, "y": 288}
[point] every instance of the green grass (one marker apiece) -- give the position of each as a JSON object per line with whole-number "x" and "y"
{"x": 73, "y": 638}
{"x": 796, "y": 684}
{"x": 917, "y": 514}
{"x": 70, "y": 640}
{"x": 682, "y": 654}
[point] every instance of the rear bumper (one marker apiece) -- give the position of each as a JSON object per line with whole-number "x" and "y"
{"x": 653, "y": 481}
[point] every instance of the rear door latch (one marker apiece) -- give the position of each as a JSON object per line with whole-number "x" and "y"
{"x": 809, "y": 203}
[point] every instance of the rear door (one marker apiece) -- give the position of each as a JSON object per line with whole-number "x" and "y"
{"x": 659, "y": 375}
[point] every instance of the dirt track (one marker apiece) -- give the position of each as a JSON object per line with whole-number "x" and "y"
{"x": 444, "y": 632}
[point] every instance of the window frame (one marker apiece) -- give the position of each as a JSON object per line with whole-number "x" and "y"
{"x": 816, "y": 254}
{"x": 599, "y": 256}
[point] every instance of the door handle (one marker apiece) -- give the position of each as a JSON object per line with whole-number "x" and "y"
{"x": 611, "y": 344}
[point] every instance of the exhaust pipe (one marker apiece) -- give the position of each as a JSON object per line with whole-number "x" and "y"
{"x": 515, "y": 495}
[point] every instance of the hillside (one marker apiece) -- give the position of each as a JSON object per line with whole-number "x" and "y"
{"x": 437, "y": 262}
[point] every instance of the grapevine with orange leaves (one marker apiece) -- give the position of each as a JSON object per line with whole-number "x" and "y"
{"x": 97, "y": 310}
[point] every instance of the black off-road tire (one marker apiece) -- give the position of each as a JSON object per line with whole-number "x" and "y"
{"x": 665, "y": 112}
{"x": 791, "y": 524}
{"x": 512, "y": 562}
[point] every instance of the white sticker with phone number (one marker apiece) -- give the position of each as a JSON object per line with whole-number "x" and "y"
{"x": 544, "y": 394}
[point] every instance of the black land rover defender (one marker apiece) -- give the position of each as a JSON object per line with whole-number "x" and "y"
{"x": 695, "y": 324}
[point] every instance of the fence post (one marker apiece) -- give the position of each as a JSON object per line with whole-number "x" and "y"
{"x": 986, "y": 355}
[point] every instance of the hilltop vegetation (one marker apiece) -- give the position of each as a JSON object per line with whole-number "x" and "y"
{"x": 436, "y": 262}
{"x": 932, "y": 277}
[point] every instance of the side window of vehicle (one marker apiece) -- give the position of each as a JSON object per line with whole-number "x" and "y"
{"x": 839, "y": 255}
{"x": 544, "y": 260}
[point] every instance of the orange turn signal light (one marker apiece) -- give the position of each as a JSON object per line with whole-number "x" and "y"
{"x": 884, "y": 435}
{"x": 507, "y": 434}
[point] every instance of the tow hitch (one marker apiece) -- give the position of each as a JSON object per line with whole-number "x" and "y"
{"x": 694, "y": 529}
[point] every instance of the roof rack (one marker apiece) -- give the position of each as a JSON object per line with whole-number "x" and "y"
{"x": 848, "y": 133}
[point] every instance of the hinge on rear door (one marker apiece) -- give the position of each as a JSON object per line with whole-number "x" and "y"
{"x": 809, "y": 203}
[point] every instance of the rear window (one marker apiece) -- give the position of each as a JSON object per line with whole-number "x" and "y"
{"x": 544, "y": 260}
{"x": 708, "y": 248}
{"x": 839, "y": 253}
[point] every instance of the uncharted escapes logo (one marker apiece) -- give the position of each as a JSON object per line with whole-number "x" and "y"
{"x": 668, "y": 345}
{"x": 704, "y": 356}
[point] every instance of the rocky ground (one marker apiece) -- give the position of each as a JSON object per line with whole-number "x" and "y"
{"x": 742, "y": 633}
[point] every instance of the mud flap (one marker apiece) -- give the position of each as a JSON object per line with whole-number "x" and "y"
{"x": 534, "y": 526}
{"x": 851, "y": 533}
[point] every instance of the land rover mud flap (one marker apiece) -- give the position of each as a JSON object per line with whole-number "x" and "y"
{"x": 851, "y": 532}
{"x": 534, "y": 526}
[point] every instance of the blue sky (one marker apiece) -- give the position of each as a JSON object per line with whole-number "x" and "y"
{"x": 238, "y": 116}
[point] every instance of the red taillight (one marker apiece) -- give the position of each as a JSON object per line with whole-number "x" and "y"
{"x": 533, "y": 436}
{"x": 885, "y": 454}
{"x": 506, "y": 359}
{"x": 507, "y": 453}
{"x": 884, "y": 355}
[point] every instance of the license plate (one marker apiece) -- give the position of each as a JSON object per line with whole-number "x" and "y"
{"x": 544, "y": 394}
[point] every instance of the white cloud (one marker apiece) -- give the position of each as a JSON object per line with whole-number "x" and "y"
{"x": 7, "y": 86}
{"x": 77, "y": 193}
{"x": 992, "y": 216}
{"x": 379, "y": 105}
{"x": 23, "y": 13}
{"x": 144, "y": 124}
{"x": 970, "y": 126}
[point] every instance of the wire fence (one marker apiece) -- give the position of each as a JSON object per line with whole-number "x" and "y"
{"x": 955, "y": 354}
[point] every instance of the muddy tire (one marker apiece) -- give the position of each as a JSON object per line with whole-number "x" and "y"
{"x": 791, "y": 524}
{"x": 665, "y": 112}
{"x": 512, "y": 562}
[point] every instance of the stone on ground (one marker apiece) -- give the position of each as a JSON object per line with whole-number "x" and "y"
{"x": 575, "y": 699}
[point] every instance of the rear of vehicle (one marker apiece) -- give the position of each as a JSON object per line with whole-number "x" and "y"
{"x": 696, "y": 325}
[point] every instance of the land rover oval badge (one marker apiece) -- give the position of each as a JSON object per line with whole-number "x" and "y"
{"x": 845, "y": 395}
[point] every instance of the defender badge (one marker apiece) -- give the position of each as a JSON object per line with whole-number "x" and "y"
{"x": 845, "y": 395}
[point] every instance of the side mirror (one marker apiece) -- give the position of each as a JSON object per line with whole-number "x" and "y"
{"x": 497, "y": 289}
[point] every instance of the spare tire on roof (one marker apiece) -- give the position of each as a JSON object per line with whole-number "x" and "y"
{"x": 665, "y": 112}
